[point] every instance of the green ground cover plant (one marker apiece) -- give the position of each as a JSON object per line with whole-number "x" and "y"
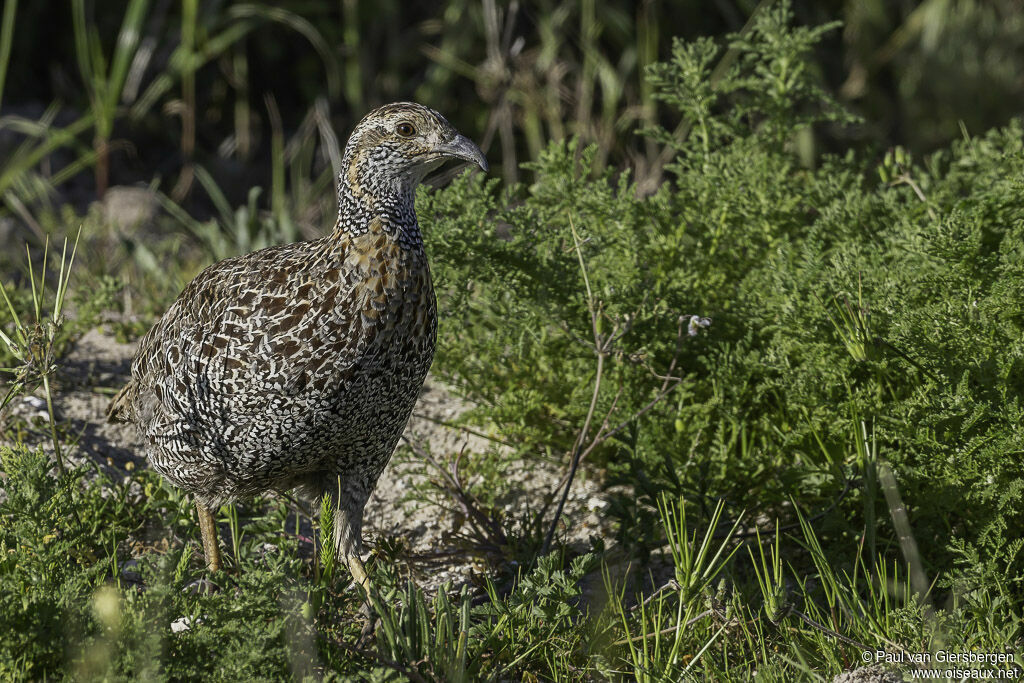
{"x": 803, "y": 376}
{"x": 844, "y": 307}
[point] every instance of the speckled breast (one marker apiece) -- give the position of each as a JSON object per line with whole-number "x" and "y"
{"x": 365, "y": 416}
{"x": 362, "y": 398}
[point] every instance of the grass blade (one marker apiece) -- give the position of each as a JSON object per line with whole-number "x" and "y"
{"x": 6, "y": 38}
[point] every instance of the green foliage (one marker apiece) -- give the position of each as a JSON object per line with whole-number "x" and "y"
{"x": 105, "y": 88}
{"x": 768, "y": 92}
{"x": 65, "y": 605}
{"x": 34, "y": 342}
{"x": 856, "y": 397}
{"x": 839, "y": 306}
{"x": 6, "y": 35}
{"x": 56, "y": 533}
{"x": 435, "y": 642}
{"x": 70, "y": 606}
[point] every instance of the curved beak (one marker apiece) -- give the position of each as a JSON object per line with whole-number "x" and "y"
{"x": 461, "y": 147}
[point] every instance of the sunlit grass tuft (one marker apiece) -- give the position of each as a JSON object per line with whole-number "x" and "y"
{"x": 33, "y": 341}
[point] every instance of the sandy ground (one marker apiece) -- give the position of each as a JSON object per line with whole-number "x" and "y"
{"x": 98, "y": 365}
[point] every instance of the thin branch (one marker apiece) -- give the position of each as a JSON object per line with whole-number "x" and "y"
{"x": 602, "y": 436}
{"x": 489, "y": 531}
{"x": 825, "y": 629}
{"x": 671, "y": 585}
{"x": 576, "y": 457}
{"x": 462, "y": 428}
{"x": 602, "y": 352}
{"x": 671, "y": 629}
{"x": 642, "y": 411}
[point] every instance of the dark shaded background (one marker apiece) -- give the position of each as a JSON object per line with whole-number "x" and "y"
{"x": 514, "y": 75}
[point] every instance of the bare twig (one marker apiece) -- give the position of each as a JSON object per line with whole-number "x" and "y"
{"x": 490, "y": 534}
{"x": 642, "y": 411}
{"x": 825, "y": 629}
{"x": 672, "y": 629}
{"x": 668, "y": 385}
{"x": 671, "y": 585}
{"x": 462, "y": 428}
{"x": 602, "y": 353}
{"x": 602, "y": 346}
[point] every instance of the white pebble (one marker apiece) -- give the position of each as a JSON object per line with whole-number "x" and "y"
{"x": 181, "y": 624}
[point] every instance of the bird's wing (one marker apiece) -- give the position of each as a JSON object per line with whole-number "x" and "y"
{"x": 250, "y": 333}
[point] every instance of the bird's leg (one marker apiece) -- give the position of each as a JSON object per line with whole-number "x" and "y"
{"x": 348, "y": 542}
{"x": 358, "y": 571}
{"x": 208, "y": 528}
{"x": 348, "y": 523}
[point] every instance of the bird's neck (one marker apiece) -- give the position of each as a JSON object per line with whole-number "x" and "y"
{"x": 393, "y": 208}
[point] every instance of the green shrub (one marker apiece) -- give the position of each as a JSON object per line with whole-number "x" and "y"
{"x": 842, "y": 309}
{"x": 54, "y": 536}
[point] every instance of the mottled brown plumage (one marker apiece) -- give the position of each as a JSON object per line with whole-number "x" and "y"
{"x": 298, "y": 365}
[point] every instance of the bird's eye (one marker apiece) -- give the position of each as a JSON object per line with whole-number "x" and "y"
{"x": 405, "y": 129}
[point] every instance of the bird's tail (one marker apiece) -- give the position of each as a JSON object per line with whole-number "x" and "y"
{"x": 121, "y": 407}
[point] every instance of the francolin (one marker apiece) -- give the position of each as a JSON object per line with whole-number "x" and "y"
{"x": 297, "y": 366}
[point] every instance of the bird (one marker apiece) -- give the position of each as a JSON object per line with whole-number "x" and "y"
{"x": 296, "y": 367}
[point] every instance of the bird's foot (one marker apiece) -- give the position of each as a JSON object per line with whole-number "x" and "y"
{"x": 201, "y": 586}
{"x": 370, "y": 623}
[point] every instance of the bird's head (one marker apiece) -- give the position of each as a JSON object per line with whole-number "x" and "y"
{"x": 395, "y": 146}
